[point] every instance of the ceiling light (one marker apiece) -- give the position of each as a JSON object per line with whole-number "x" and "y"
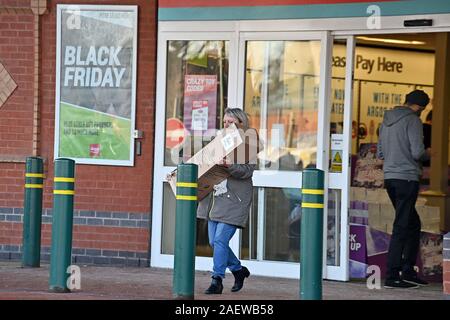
{"x": 395, "y": 41}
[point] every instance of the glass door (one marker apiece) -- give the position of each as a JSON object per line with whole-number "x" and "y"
{"x": 194, "y": 73}
{"x": 286, "y": 80}
{"x": 339, "y": 154}
{"x": 283, "y": 80}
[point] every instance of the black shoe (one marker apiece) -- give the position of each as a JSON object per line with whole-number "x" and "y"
{"x": 390, "y": 284}
{"x": 414, "y": 280}
{"x": 216, "y": 286}
{"x": 239, "y": 277}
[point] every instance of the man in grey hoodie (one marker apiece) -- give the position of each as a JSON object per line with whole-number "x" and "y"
{"x": 401, "y": 147}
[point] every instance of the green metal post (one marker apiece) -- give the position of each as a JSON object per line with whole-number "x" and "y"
{"x": 32, "y": 212}
{"x": 311, "y": 235}
{"x": 61, "y": 251}
{"x": 185, "y": 232}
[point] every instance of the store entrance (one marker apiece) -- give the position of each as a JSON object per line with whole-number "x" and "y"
{"x": 386, "y": 68}
{"x": 317, "y": 100}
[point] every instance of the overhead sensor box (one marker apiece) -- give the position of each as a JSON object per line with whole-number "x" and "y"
{"x": 418, "y": 23}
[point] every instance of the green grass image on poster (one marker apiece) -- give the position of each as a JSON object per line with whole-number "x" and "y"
{"x": 85, "y": 133}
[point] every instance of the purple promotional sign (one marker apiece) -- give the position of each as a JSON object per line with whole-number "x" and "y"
{"x": 200, "y": 103}
{"x": 429, "y": 259}
{"x": 358, "y": 252}
{"x": 358, "y": 243}
{"x": 377, "y": 247}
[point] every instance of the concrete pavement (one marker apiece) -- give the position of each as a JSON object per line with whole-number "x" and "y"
{"x": 127, "y": 283}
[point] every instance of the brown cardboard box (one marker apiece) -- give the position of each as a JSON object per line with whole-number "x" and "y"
{"x": 372, "y": 195}
{"x": 387, "y": 215}
{"x": 432, "y": 221}
{"x": 422, "y": 212}
{"x": 228, "y": 143}
{"x": 374, "y": 217}
{"x": 359, "y": 194}
{"x": 383, "y": 197}
{"x": 421, "y": 201}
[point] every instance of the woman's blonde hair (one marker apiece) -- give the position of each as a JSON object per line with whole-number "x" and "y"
{"x": 240, "y": 115}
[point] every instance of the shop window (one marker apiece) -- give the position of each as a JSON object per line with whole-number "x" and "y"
{"x": 281, "y": 97}
{"x": 197, "y": 88}
{"x": 281, "y": 223}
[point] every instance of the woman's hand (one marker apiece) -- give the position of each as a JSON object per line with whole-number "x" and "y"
{"x": 170, "y": 175}
{"x": 226, "y": 163}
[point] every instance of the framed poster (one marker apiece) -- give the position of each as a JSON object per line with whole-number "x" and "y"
{"x": 96, "y": 84}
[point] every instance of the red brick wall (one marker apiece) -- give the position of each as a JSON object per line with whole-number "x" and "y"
{"x": 124, "y": 239}
{"x": 98, "y": 188}
{"x": 11, "y": 186}
{"x": 15, "y": 3}
{"x": 17, "y": 57}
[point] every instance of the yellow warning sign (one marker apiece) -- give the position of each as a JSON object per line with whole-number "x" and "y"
{"x": 337, "y": 158}
{"x": 336, "y": 162}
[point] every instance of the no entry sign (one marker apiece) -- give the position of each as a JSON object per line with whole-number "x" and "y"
{"x": 175, "y": 133}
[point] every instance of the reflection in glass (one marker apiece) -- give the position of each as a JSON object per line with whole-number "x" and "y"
{"x": 168, "y": 227}
{"x": 281, "y": 226}
{"x": 197, "y": 88}
{"x": 333, "y": 227}
{"x": 249, "y": 235}
{"x": 281, "y": 97}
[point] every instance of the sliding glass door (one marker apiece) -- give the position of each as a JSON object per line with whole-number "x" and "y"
{"x": 285, "y": 82}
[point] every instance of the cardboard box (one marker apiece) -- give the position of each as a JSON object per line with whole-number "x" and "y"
{"x": 421, "y": 201}
{"x": 387, "y": 212}
{"x": 374, "y": 217}
{"x": 431, "y": 219}
{"x": 433, "y": 212}
{"x": 372, "y": 195}
{"x": 232, "y": 143}
{"x": 383, "y": 197}
{"x": 422, "y": 212}
{"x": 360, "y": 194}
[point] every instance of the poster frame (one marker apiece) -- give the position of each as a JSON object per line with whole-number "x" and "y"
{"x": 106, "y": 8}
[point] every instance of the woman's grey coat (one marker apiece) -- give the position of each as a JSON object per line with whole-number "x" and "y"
{"x": 232, "y": 207}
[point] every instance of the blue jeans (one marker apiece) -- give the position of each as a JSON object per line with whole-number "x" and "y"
{"x": 219, "y": 235}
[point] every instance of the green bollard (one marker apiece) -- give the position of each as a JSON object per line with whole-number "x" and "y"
{"x": 32, "y": 212}
{"x": 61, "y": 251}
{"x": 311, "y": 235}
{"x": 185, "y": 232}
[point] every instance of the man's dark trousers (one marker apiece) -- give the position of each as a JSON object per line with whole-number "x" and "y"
{"x": 405, "y": 239}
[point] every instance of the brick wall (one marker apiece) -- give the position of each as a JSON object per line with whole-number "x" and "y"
{"x": 107, "y": 198}
{"x": 14, "y": 4}
{"x": 17, "y": 59}
{"x": 119, "y": 238}
{"x": 446, "y": 256}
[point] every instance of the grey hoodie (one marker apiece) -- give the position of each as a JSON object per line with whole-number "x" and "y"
{"x": 400, "y": 144}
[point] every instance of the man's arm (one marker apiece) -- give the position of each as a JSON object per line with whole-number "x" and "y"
{"x": 415, "y": 136}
